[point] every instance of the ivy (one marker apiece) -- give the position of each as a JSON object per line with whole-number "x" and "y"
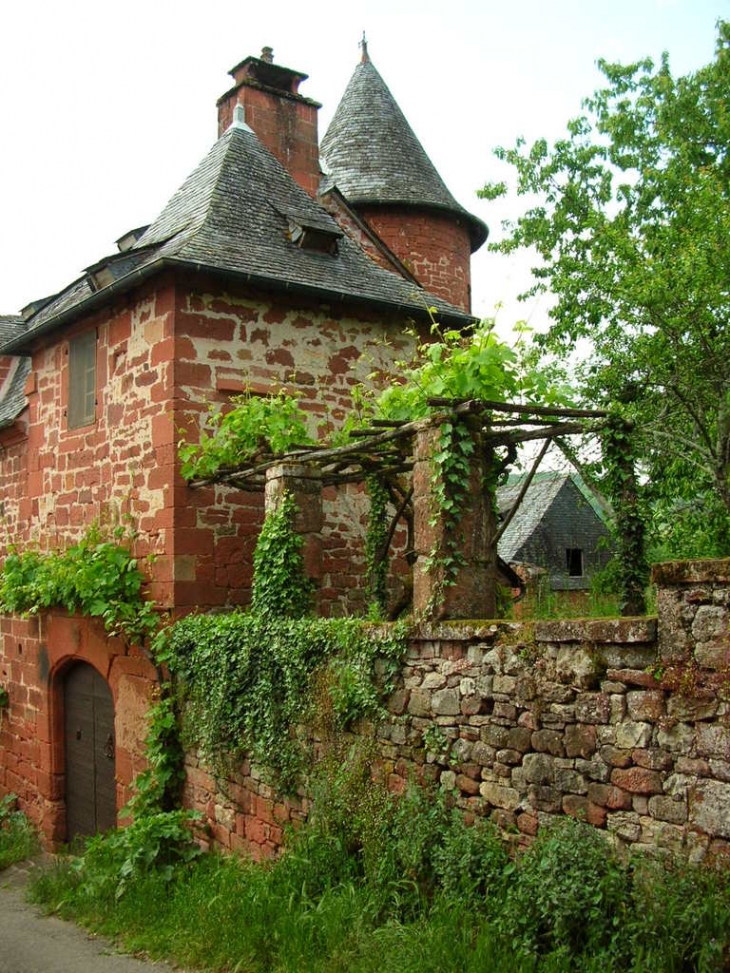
{"x": 451, "y": 462}
{"x": 376, "y": 541}
{"x": 98, "y": 576}
{"x": 158, "y": 789}
{"x": 280, "y": 588}
{"x": 249, "y": 684}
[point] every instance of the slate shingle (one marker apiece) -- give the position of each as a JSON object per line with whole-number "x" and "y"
{"x": 230, "y": 216}
{"x": 372, "y": 155}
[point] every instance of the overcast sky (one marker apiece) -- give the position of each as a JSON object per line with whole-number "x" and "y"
{"x": 106, "y": 108}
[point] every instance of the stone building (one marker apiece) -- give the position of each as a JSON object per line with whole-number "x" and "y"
{"x": 269, "y": 266}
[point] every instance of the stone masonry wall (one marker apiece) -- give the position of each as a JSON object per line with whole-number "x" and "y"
{"x": 522, "y": 722}
{"x": 59, "y": 480}
{"x": 35, "y": 655}
{"x": 435, "y": 248}
{"x": 226, "y": 344}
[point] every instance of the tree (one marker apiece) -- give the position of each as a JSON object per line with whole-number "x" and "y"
{"x": 632, "y": 228}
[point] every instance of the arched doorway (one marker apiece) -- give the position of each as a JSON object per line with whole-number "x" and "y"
{"x": 91, "y": 797}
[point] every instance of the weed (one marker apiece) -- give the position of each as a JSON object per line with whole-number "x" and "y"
{"x": 18, "y": 839}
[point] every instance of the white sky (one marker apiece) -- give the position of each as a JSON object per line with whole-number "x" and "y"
{"x": 106, "y": 108}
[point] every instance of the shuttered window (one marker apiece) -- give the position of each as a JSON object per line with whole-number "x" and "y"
{"x": 82, "y": 380}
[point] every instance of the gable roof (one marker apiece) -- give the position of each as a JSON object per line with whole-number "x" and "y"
{"x": 373, "y": 156}
{"x": 540, "y": 494}
{"x": 232, "y": 216}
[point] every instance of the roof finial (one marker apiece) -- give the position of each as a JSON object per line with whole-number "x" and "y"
{"x": 267, "y": 54}
{"x": 363, "y": 45}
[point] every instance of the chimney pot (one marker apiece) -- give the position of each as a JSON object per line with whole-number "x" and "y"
{"x": 267, "y": 54}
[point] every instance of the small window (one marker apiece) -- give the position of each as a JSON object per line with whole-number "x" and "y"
{"x": 574, "y": 561}
{"x": 82, "y": 380}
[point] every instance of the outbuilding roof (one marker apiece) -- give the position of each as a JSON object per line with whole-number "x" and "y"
{"x": 540, "y": 494}
{"x": 373, "y": 156}
{"x": 234, "y": 215}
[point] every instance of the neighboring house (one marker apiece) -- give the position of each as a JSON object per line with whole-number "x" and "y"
{"x": 257, "y": 272}
{"x": 558, "y": 527}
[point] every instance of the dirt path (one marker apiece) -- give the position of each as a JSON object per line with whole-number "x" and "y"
{"x": 33, "y": 943}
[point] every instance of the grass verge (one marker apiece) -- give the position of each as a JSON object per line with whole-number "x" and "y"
{"x": 374, "y": 883}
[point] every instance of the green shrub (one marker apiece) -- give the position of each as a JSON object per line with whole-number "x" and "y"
{"x": 570, "y": 893}
{"x": 154, "y": 843}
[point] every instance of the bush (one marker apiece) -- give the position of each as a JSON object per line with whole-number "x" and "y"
{"x": 570, "y": 893}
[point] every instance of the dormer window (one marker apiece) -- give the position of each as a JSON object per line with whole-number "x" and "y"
{"x": 321, "y": 239}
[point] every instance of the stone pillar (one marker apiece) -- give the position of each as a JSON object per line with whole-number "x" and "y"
{"x": 304, "y": 486}
{"x": 693, "y": 613}
{"x": 474, "y": 591}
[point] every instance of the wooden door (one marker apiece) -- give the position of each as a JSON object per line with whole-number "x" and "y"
{"x": 91, "y": 794}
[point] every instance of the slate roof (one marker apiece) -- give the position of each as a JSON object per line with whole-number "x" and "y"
{"x": 11, "y": 325}
{"x": 14, "y": 401}
{"x": 540, "y": 494}
{"x": 372, "y": 155}
{"x": 12, "y": 394}
{"x": 231, "y": 216}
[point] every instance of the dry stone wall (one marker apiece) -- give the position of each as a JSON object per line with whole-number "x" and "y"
{"x": 523, "y": 722}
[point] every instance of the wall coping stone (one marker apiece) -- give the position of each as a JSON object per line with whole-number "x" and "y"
{"x": 691, "y": 572}
{"x": 598, "y": 630}
{"x": 468, "y": 630}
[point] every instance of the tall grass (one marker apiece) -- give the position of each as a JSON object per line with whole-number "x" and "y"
{"x": 372, "y": 883}
{"x": 18, "y": 839}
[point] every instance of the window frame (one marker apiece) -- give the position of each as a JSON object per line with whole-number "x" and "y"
{"x": 573, "y": 554}
{"x": 81, "y": 408}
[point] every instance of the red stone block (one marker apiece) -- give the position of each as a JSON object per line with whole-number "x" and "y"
{"x": 638, "y": 780}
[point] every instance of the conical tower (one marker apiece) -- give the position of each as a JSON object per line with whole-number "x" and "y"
{"x": 373, "y": 156}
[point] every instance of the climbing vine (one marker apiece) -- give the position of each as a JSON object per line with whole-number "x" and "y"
{"x": 98, "y": 576}
{"x": 256, "y": 424}
{"x": 623, "y": 490}
{"x": 451, "y": 462}
{"x": 280, "y": 587}
{"x": 158, "y": 789}
{"x": 376, "y": 541}
{"x": 249, "y": 685}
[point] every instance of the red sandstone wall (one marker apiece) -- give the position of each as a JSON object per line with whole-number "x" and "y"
{"x": 434, "y": 247}
{"x": 619, "y": 722}
{"x": 227, "y": 343}
{"x": 33, "y": 656}
{"x": 61, "y": 480}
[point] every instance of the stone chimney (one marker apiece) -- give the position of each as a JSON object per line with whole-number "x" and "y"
{"x": 284, "y": 121}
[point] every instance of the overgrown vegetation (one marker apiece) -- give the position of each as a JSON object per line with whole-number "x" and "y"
{"x": 280, "y": 587}
{"x": 18, "y": 839}
{"x": 271, "y": 424}
{"x": 628, "y": 217}
{"x": 377, "y": 883}
{"x": 249, "y": 684}
{"x": 98, "y": 576}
